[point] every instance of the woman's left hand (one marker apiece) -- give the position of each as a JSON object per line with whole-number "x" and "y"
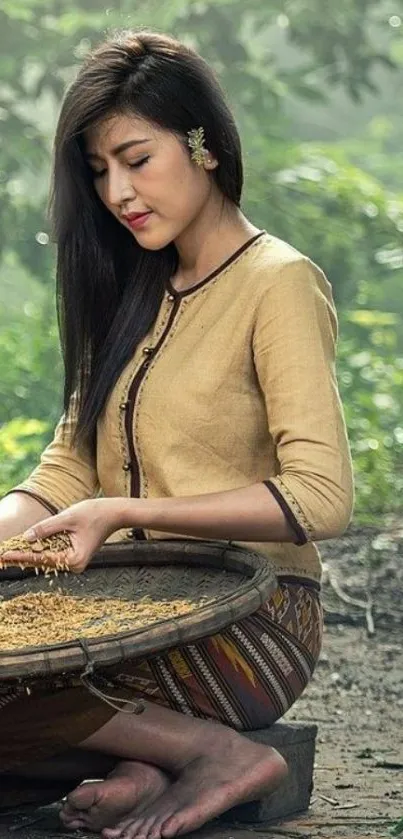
{"x": 88, "y": 524}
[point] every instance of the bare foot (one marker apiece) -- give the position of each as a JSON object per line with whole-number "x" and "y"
{"x": 231, "y": 770}
{"x": 128, "y": 789}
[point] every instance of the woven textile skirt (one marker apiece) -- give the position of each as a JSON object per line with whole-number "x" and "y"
{"x": 246, "y": 677}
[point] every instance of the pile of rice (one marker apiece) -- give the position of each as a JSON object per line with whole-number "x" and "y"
{"x": 46, "y": 618}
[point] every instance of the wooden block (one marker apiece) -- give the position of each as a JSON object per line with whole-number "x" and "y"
{"x": 296, "y": 743}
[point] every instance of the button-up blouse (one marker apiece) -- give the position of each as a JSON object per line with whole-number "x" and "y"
{"x": 234, "y": 384}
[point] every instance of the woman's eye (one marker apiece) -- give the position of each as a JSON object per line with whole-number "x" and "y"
{"x": 139, "y": 163}
{"x": 101, "y": 172}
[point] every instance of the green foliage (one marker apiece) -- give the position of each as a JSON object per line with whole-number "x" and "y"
{"x": 371, "y": 386}
{"x": 30, "y": 364}
{"x": 334, "y": 211}
{"x": 21, "y": 442}
{"x": 281, "y": 64}
{"x": 41, "y": 43}
{"x": 397, "y": 828}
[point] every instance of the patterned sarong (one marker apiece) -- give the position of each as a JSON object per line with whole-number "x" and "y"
{"x": 246, "y": 676}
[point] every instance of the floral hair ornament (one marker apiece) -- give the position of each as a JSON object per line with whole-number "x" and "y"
{"x": 196, "y": 142}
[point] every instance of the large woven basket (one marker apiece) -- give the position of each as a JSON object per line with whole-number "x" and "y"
{"x": 233, "y": 582}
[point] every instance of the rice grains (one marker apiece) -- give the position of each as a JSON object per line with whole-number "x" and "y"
{"x": 37, "y": 619}
{"x": 46, "y": 548}
{"x": 47, "y": 618}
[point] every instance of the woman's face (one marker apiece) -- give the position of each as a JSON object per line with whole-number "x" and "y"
{"x": 139, "y": 168}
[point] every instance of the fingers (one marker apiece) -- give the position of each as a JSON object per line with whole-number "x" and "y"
{"x": 47, "y": 527}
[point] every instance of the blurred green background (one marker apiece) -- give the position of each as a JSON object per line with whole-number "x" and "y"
{"x": 316, "y": 87}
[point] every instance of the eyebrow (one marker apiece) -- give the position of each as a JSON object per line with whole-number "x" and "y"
{"x": 118, "y": 149}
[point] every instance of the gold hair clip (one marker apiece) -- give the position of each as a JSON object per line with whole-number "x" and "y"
{"x": 196, "y": 143}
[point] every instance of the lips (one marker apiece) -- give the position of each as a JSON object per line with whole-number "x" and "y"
{"x": 135, "y": 216}
{"x": 137, "y": 220}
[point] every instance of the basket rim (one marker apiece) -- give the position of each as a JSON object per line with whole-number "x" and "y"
{"x": 69, "y": 656}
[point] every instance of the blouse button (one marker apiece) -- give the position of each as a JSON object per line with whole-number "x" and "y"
{"x": 127, "y": 467}
{"x": 147, "y": 350}
{"x": 171, "y": 298}
{"x": 123, "y": 406}
{"x": 131, "y": 534}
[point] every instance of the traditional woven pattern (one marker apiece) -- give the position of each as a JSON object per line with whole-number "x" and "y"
{"x": 247, "y": 676}
{"x": 131, "y": 582}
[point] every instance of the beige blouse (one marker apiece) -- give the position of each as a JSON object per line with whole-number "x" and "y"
{"x": 234, "y": 384}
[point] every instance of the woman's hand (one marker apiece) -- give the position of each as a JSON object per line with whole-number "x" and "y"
{"x": 88, "y": 525}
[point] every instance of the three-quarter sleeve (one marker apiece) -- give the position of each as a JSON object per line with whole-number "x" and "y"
{"x": 66, "y": 474}
{"x": 294, "y": 344}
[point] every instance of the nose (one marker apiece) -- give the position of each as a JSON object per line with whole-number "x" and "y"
{"x": 119, "y": 187}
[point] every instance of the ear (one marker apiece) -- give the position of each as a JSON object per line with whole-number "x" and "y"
{"x": 210, "y": 162}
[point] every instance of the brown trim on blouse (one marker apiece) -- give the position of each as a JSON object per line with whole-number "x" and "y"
{"x": 289, "y": 515}
{"x": 175, "y": 297}
{"x": 129, "y": 407}
{"x": 52, "y": 509}
{"x": 216, "y": 271}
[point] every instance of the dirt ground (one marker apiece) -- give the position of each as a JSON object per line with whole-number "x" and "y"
{"x": 355, "y": 697}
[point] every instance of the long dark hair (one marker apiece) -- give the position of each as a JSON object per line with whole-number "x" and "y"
{"x": 109, "y": 289}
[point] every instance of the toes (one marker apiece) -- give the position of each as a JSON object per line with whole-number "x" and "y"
{"x": 68, "y": 809}
{"x": 155, "y": 832}
{"x": 75, "y": 824}
{"x": 130, "y": 829}
{"x": 135, "y": 829}
{"x": 170, "y": 827}
{"x": 67, "y": 814}
{"x": 181, "y": 822}
{"x": 154, "y": 824}
{"x": 142, "y": 831}
{"x": 156, "y": 819}
{"x": 115, "y": 832}
{"x": 83, "y": 797}
{"x": 154, "y": 828}
{"x": 71, "y": 820}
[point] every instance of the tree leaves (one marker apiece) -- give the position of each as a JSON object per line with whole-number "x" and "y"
{"x": 279, "y": 61}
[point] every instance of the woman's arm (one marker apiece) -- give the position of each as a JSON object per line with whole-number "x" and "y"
{"x": 295, "y": 340}
{"x": 249, "y": 514}
{"x": 65, "y": 475}
{"x": 19, "y": 511}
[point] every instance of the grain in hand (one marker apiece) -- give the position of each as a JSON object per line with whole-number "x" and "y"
{"x": 51, "y": 552}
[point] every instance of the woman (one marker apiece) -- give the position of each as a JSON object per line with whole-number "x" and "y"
{"x": 201, "y": 400}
